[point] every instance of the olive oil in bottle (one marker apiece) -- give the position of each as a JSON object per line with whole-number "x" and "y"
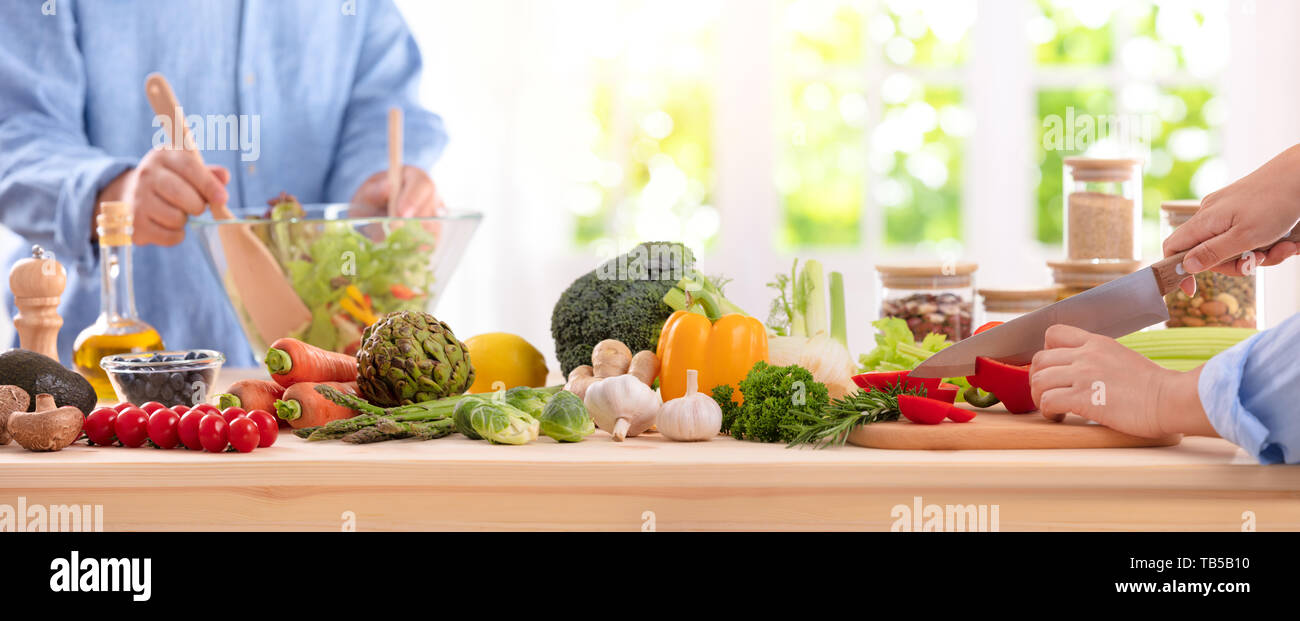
{"x": 118, "y": 329}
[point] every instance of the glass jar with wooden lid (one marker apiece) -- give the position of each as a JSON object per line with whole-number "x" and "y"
{"x": 1007, "y": 304}
{"x": 931, "y": 297}
{"x": 1075, "y": 277}
{"x": 1220, "y": 300}
{"x": 1103, "y": 208}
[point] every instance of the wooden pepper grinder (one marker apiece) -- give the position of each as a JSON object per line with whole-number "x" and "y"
{"x": 38, "y": 284}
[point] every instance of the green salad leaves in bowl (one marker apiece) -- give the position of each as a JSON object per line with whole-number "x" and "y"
{"x": 346, "y": 271}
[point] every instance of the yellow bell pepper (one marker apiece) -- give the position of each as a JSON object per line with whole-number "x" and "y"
{"x": 356, "y": 305}
{"x": 721, "y": 351}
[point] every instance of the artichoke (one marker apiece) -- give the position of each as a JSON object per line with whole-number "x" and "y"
{"x": 410, "y": 357}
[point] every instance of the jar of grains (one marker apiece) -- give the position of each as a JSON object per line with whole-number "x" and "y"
{"x": 1220, "y": 300}
{"x": 931, "y": 297}
{"x": 1103, "y": 208}
{"x": 1007, "y": 304}
{"x": 1075, "y": 277}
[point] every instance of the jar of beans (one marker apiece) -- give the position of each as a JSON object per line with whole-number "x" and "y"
{"x": 1075, "y": 277}
{"x": 1007, "y": 304}
{"x": 931, "y": 297}
{"x": 1103, "y": 209}
{"x": 1220, "y": 300}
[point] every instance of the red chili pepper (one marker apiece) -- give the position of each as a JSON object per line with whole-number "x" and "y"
{"x": 1008, "y": 382}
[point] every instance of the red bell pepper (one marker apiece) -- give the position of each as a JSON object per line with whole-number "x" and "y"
{"x": 960, "y": 415}
{"x": 882, "y": 379}
{"x": 886, "y": 379}
{"x": 921, "y": 410}
{"x": 1009, "y": 383}
{"x": 401, "y": 292}
{"x": 946, "y": 392}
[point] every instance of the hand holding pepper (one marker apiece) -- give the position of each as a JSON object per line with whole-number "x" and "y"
{"x": 1095, "y": 377}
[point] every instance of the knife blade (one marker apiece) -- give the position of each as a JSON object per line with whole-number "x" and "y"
{"x": 1119, "y": 307}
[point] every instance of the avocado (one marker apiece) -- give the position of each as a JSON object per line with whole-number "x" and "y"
{"x": 39, "y": 374}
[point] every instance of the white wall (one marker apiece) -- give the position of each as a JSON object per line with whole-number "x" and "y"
{"x": 1263, "y": 96}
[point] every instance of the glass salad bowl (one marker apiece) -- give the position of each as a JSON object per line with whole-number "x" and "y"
{"x": 347, "y": 272}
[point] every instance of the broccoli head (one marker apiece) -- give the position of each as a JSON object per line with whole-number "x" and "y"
{"x": 775, "y": 399}
{"x": 621, "y": 299}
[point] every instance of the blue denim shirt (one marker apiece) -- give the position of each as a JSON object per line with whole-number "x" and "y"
{"x": 1252, "y": 394}
{"x": 292, "y": 95}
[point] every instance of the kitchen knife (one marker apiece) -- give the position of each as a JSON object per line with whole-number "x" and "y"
{"x": 1117, "y": 308}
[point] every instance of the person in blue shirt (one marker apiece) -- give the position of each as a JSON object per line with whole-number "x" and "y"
{"x": 1250, "y": 394}
{"x": 289, "y": 95}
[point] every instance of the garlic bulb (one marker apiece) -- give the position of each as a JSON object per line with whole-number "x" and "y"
{"x": 622, "y": 405}
{"x": 692, "y": 417}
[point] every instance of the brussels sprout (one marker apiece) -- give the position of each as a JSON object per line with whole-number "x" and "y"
{"x": 566, "y": 419}
{"x": 495, "y": 421}
{"x": 530, "y": 400}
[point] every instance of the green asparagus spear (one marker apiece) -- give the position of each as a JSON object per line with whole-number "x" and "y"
{"x": 392, "y": 430}
{"x": 440, "y": 408}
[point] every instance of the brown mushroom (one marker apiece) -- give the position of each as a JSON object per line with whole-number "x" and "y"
{"x": 49, "y": 428}
{"x": 12, "y": 399}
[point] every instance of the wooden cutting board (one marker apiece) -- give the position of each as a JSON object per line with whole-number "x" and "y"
{"x": 997, "y": 429}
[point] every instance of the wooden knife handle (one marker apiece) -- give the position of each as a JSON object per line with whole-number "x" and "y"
{"x": 1169, "y": 271}
{"x": 163, "y": 101}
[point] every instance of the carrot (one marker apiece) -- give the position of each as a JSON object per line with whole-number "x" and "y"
{"x": 303, "y": 407}
{"x": 291, "y": 361}
{"x": 251, "y": 394}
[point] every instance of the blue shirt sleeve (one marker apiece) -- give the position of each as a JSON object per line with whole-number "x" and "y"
{"x": 49, "y": 173}
{"x": 1251, "y": 394}
{"x": 387, "y": 76}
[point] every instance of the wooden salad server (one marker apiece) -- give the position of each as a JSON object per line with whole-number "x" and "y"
{"x": 274, "y": 307}
{"x": 394, "y": 158}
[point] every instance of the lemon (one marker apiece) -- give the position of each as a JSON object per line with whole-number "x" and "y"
{"x": 503, "y": 360}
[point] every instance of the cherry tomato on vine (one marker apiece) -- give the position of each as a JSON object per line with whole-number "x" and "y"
{"x": 244, "y": 434}
{"x": 267, "y": 425}
{"x": 188, "y": 430}
{"x": 99, "y": 426}
{"x": 213, "y": 433}
{"x": 180, "y": 410}
{"x": 132, "y": 427}
{"x": 164, "y": 428}
{"x": 123, "y": 405}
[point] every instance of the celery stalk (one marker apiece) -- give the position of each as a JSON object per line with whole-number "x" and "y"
{"x": 815, "y": 316}
{"x": 839, "y": 323}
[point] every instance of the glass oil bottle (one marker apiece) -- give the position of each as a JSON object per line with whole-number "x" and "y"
{"x": 118, "y": 329}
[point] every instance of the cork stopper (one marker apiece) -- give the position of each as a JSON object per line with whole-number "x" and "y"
{"x": 115, "y": 223}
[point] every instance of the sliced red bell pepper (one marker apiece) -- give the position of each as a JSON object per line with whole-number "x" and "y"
{"x": 921, "y": 410}
{"x": 946, "y": 392}
{"x": 960, "y": 415}
{"x": 401, "y": 292}
{"x": 988, "y": 326}
{"x": 886, "y": 379}
{"x": 1008, "y": 382}
{"x": 881, "y": 379}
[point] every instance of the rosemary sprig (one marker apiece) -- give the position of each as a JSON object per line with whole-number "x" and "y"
{"x": 831, "y": 427}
